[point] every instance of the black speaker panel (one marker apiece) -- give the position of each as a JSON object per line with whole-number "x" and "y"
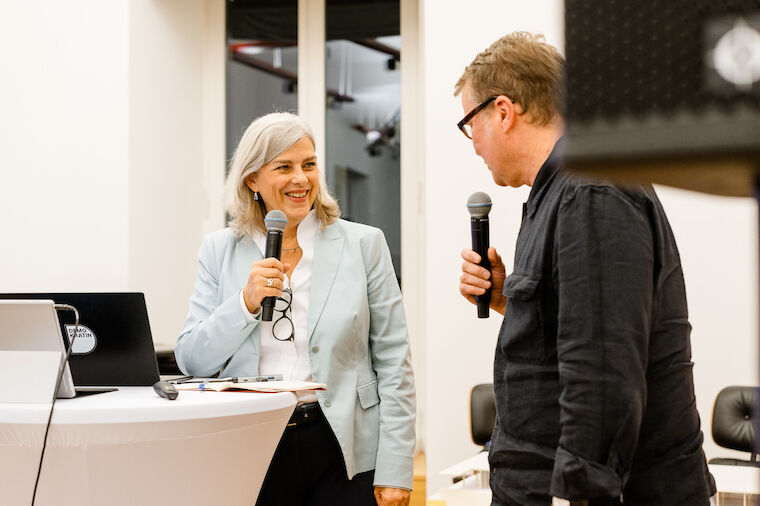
{"x": 665, "y": 91}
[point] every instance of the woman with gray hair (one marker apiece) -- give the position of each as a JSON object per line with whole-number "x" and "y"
{"x": 338, "y": 320}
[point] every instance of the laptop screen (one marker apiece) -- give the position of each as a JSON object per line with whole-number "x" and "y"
{"x": 114, "y": 346}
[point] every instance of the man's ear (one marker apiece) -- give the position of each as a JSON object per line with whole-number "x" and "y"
{"x": 507, "y": 115}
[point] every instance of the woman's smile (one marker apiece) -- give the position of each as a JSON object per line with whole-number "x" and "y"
{"x": 297, "y": 196}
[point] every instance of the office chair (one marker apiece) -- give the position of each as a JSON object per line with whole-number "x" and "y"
{"x": 482, "y": 414}
{"x": 736, "y": 410}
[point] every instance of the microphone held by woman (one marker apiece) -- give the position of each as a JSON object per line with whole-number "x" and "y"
{"x": 275, "y": 221}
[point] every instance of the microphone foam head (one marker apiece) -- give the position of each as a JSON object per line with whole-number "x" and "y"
{"x": 479, "y": 205}
{"x": 276, "y": 220}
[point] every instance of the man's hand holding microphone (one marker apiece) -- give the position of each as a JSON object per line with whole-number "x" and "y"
{"x": 483, "y": 271}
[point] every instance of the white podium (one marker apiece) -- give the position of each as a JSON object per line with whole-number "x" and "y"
{"x": 132, "y": 447}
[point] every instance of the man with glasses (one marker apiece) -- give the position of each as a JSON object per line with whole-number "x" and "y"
{"x": 592, "y": 376}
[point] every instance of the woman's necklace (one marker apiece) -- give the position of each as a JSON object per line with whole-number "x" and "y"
{"x": 290, "y": 250}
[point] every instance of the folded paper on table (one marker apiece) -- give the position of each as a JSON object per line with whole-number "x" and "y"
{"x": 254, "y": 386}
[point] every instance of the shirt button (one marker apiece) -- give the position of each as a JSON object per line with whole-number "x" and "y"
{"x": 327, "y": 404}
{"x": 315, "y": 349}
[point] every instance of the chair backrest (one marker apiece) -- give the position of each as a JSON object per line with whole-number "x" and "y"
{"x": 482, "y": 413}
{"x": 735, "y": 413}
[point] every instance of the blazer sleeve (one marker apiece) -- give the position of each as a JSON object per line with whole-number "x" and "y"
{"x": 212, "y": 331}
{"x": 391, "y": 360}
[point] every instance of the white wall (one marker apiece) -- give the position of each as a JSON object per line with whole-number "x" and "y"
{"x": 105, "y": 147}
{"x": 64, "y": 154}
{"x": 717, "y": 238}
{"x": 176, "y": 143}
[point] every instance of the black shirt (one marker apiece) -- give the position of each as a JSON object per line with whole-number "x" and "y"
{"x": 593, "y": 372}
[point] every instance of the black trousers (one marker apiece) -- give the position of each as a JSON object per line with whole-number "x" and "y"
{"x": 308, "y": 470}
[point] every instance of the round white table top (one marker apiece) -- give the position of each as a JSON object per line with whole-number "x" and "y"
{"x": 142, "y": 404}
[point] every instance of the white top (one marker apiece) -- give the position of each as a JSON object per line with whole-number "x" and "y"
{"x": 290, "y": 358}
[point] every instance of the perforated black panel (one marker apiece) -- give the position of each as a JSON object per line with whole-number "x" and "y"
{"x": 663, "y": 82}
{"x": 629, "y": 58}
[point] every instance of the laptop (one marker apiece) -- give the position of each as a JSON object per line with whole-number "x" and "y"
{"x": 31, "y": 349}
{"x": 114, "y": 346}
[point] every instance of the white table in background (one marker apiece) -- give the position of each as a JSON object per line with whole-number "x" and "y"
{"x": 471, "y": 484}
{"x": 132, "y": 447}
{"x": 737, "y": 485}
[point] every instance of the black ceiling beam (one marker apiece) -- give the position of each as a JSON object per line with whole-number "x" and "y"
{"x": 344, "y": 19}
{"x": 280, "y": 72}
{"x": 379, "y": 46}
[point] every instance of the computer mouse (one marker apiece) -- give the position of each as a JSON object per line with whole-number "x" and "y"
{"x": 165, "y": 390}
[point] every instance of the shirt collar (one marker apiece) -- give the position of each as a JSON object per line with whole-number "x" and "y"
{"x": 545, "y": 175}
{"x": 306, "y": 231}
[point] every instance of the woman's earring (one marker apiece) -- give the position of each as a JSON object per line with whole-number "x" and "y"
{"x": 255, "y": 195}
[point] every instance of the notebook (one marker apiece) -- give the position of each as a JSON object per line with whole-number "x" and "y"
{"x": 114, "y": 346}
{"x": 253, "y": 386}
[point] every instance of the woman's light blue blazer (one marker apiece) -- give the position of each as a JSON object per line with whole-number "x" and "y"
{"x": 358, "y": 343}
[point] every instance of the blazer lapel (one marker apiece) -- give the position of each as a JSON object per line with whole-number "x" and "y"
{"x": 248, "y": 252}
{"x": 328, "y": 247}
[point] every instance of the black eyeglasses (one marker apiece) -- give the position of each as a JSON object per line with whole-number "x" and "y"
{"x": 283, "y": 326}
{"x": 465, "y": 126}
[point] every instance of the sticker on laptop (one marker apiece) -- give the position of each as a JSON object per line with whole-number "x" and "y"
{"x": 84, "y": 343}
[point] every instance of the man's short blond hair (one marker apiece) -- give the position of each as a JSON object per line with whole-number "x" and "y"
{"x": 523, "y": 67}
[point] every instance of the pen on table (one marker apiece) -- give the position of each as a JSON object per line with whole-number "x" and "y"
{"x": 182, "y": 379}
{"x": 192, "y": 379}
{"x": 248, "y": 379}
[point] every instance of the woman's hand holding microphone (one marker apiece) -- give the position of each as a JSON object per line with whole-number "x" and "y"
{"x": 266, "y": 279}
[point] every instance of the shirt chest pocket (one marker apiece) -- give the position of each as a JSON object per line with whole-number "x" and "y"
{"x": 522, "y": 333}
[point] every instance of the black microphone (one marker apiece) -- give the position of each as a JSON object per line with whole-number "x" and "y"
{"x": 479, "y": 205}
{"x": 275, "y": 221}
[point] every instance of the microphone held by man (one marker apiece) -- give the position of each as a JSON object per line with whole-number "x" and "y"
{"x": 483, "y": 271}
{"x": 479, "y": 205}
